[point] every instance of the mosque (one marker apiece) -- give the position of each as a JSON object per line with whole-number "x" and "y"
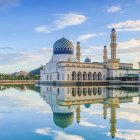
{"x": 66, "y": 102}
{"x": 65, "y": 66}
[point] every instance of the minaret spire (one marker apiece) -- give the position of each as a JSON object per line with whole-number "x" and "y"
{"x": 78, "y": 53}
{"x": 113, "y": 44}
{"x": 105, "y": 54}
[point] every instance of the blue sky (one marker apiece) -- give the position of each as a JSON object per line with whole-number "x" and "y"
{"x": 29, "y": 28}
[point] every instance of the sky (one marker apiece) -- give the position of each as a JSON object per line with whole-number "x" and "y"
{"x": 29, "y": 28}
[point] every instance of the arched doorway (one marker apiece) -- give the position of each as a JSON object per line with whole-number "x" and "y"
{"x": 89, "y": 76}
{"x": 99, "y": 76}
{"x": 79, "y": 76}
{"x": 94, "y": 76}
{"x": 84, "y": 76}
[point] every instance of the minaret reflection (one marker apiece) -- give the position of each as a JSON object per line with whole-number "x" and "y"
{"x": 113, "y": 104}
{"x": 105, "y": 107}
{"x": 78, "y": 111}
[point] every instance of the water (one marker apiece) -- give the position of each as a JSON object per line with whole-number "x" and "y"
{"x": 69, "y": 113}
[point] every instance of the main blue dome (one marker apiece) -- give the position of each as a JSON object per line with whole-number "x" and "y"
{"x": 63, "y": 46}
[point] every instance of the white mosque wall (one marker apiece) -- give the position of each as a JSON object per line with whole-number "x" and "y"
{"x": 122, "y": 73}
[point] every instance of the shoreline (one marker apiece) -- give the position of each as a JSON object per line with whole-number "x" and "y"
{"x": 8, "y": 82}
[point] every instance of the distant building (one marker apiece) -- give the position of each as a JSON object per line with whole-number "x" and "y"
{"x": 21, "y": 73}
{"x": 65, "y": 67}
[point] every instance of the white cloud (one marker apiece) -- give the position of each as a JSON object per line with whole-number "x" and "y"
{"x": 129, "y": 44}
{"x": 42, "y": 29}
{"x": 137, "y": 2}
{"x": 88, "y": 124}
{"x": 113, "y": 9}
{"x": 63, "y": 136}
{"x": 43, "y": 131}
{"x": 29, "y": 101}
{"x": 58, "y": 135}
{"x": 26, "y": 60}
{"x": 62, "y": 21}
{"x": 46, "y": 49}
{"x": 129, "y": 116}
{"x": 6, "y": 48}
{"x": 88, "y": 36}
{"x": 129, "y": 25}
{"x": 128, "y": 134}
{"x": 9, "y": 3}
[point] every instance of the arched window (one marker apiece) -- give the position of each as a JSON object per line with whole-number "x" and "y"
{"x": 94, "y": 76}
{"x": 89, "y": 76}
{"x": 84, "y": 91}
{"x": 89, "y": 91}
{"x": 94, "y": 91}
{"x": 79, "y": 92}
{"x": 99, "y": 91}
{"x": 73, "y": 92}
{"x": 73, "y": 75}
{"x": 99, "y": 76}
{"x": 84, "y": 76}
{"x": 79, "y": 76}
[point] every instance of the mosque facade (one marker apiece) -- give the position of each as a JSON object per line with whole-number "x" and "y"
{"x": 65, "y": 66}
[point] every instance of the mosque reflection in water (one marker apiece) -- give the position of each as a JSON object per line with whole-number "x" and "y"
{"x": 65, "y": 101}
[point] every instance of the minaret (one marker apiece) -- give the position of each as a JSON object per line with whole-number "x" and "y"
{"x": 78, "y": 110}
{"x": 78, "y": 53}
{"x": 105, "y": 54}
{"x": 113, "y": 44}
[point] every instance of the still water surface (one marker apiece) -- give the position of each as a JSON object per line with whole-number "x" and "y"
{"x": 69, "y": 113}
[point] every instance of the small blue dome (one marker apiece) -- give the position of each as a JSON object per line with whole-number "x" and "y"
{"x": 88, "y": 60}
{"x": 63, "y": 46}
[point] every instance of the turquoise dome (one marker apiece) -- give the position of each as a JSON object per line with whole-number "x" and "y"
{"x": 63, "y": 46}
